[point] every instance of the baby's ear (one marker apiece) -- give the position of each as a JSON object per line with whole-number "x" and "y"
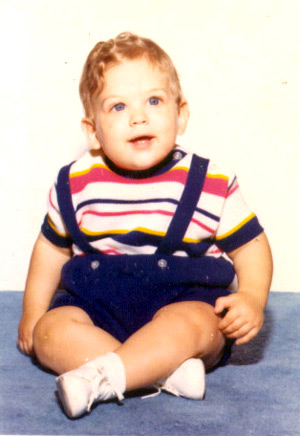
{"x": 183, "y": 117}
{"x": 88, "y": 128}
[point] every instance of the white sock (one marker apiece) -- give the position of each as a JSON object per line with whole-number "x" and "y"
{"x": 114, "y": 369}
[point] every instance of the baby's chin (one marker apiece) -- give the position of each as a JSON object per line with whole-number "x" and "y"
{"x": 142, "y": 164}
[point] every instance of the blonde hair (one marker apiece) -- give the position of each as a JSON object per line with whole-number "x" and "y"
{"x": 126, "y": 46}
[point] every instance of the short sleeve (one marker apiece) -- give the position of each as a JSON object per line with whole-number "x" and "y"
{"x": 53, "y": 227}
{"x": 238, "y": 224}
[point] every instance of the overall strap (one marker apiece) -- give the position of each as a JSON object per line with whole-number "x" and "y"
{"x": 185, "y": 209}
{"x": 66, "y": 208}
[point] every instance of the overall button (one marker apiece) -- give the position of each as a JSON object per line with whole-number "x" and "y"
{"x": 95, "y": 264}
{"x": 162, "y": 263}
{"x": 177, "y": 155}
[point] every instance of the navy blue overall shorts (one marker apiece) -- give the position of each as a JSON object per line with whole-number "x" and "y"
{"x": 121, "y": 293}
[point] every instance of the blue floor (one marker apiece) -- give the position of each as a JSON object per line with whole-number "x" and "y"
{"x": 256, "y": 394}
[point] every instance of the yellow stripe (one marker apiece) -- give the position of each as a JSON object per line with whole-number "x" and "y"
{"x": 236, "y": 227}
{"x": 191, "y": 240}
{"x": 180, "y": 168}
{"x": 108, "y": 232}
{"x": 217, "y": 176}
{"x": 151, "y": 232}
{"x": 121, "y": 231}
{"x": 81, "y": 173}
{"x": 137, "y": 229}
{"x": 55, "y": 229}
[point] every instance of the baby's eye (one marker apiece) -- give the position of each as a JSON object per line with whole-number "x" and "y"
{"x": 119, "y": 107}
{"x": 154, "y": 100}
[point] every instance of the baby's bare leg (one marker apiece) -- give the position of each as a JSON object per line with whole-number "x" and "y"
{"x": 176, "y": 333}
{"x": 65, "y": 338}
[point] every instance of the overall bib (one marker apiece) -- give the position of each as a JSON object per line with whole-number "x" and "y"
{"x": 121, "y": 293}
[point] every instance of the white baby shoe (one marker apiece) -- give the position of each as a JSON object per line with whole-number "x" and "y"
{"x": 188, "y": 380}
{"x": 98, "y": 380}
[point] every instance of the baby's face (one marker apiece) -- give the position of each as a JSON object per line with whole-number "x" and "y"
{"x": 136, "y": 115}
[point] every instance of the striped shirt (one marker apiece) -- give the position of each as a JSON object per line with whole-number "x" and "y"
{"x": 129, "y": 213}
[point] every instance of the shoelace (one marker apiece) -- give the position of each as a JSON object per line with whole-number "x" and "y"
{"x": 103, "y": 385}
{"x": 155, "y": 394}
{"x": 159, "y": 389}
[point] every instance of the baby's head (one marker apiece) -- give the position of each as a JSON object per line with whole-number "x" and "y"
{"x": 126, "y": 46}
{"x": 134, "y": 107}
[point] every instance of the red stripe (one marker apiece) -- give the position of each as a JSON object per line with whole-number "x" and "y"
{"x": 97, "y": 174}
{"x": 232, "y": 191}
{"x": 216, "y": 251}
{"x": 203, "y": 226}
{"x": 50, "y": 199}
{"x": 141, "y": 212}
{"x": 215, "y": 186}
{"x": 110, "y": 251}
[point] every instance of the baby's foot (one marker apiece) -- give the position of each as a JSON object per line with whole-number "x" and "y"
{"x": 80, "y": 388}
{"x": 188, "y": 380}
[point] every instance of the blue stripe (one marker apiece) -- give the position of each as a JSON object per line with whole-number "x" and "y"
{"x": 140, "y": 239}
{"x": 134, "y": 238}
{"x": 231, "y": 184}
{"x": 146, "y": 201}
{"x": 52, "y": 236}
{"x": 245, "y": 234}
{"x": 208, "y": 214}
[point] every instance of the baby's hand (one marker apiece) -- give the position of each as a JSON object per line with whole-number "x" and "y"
{"x": 25, "y": 332}
{"x": 244, "y": 317}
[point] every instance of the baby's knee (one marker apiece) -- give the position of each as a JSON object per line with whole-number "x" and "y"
{"x": 197, "y": 322}
{"x": 179, "y": 316}
{"x": 45, "y": 334}
{"x": 40, "y": 330}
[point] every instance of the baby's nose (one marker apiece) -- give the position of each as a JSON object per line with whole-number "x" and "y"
{"x": 138, "y": 116}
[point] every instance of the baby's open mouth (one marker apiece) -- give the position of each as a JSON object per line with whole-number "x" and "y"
{"x": 142, "y": 141}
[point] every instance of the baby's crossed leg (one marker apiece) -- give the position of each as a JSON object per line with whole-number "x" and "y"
{"x": 66, "y": 338}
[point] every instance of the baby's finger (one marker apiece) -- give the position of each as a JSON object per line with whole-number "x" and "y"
{"x": 222, "y": 304}
{"x": 21, "y": 346}
{"x": 29, "y": 348}
{"x": 230, "y": 317}
{"x": 240, "y": 332}
{"x": 24, "y": 347}
{"x": 235, "y": 326}
{"x": 247, "y": 337}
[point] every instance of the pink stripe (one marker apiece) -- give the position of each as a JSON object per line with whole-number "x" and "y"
{"x": 216, "y": 251}
{"x": 232, "y": 191}
{"x": 215, "y": 186}
{"x": 141, "y": 212}
{"x": 97, "y": 174}
{"x": 203, "y": 226}
{"x": 50, "y": 199}
{"x": 110, "y": 251}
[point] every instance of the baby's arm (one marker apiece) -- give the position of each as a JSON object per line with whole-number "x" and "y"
{"x": 42, "y": 281}
{"x": 253, "y": 266}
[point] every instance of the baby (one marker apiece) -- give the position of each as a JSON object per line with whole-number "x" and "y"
{"x": 137, "y": 229}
